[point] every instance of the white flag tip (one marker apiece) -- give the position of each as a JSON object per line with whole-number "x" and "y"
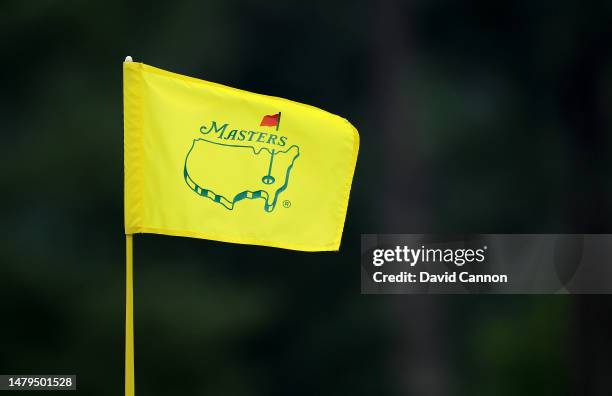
{"x": 128, "y": 59}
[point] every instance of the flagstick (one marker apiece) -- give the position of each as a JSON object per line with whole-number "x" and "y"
{"x": 129, "y": 316}
{"x": 129, "y": 308}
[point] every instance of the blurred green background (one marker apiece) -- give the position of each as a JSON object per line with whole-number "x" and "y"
{"x": 474, "y": 117}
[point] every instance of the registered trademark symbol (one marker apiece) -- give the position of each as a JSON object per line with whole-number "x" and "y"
{"x": 286, "y": 203}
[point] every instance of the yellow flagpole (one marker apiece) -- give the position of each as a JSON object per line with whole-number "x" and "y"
{"x": 129, "y": 316}
{"x": 129, "y": 309}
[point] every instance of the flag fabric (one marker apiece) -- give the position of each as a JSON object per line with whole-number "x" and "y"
{"x": 270, "y": 120}
{"x": 197, "y": 164}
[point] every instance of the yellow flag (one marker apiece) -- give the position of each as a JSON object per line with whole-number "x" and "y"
{"x": 208, "y": 161}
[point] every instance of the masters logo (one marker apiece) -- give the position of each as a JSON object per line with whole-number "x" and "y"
{"x": 261, "y": 163}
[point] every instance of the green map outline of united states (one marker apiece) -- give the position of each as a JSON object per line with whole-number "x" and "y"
{"x": 246, "y": 194}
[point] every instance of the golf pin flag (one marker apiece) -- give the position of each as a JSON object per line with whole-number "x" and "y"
{"x": 271, "y": 120}
{"x": 208, "y": 161}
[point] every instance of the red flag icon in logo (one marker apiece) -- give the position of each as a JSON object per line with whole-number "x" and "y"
{"x": 271, "y": 120}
